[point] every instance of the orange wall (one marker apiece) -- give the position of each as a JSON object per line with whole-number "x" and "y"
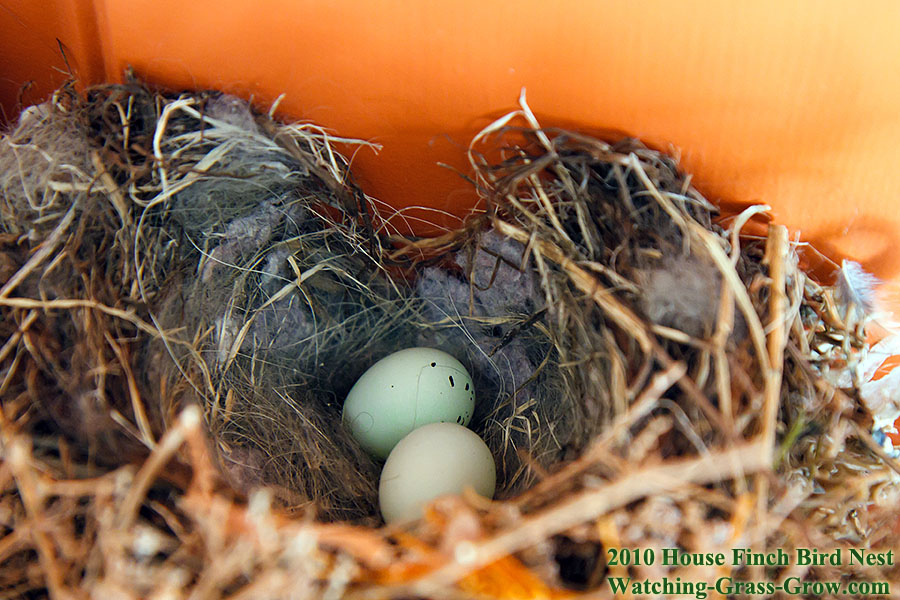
{"x": 795, "y": 104}
{"x": 40, "y": 42}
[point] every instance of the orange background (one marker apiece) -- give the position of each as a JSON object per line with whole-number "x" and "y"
{"x": 795, "y": 104}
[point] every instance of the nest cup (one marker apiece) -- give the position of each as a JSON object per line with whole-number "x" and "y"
{"x": 265, "y": 276}
{"x": 645, "y": 373}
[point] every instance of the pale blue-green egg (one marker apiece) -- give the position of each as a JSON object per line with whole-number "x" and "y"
{"x": 403, "y": 391}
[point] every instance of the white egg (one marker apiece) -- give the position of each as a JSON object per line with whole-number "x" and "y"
{"x": 406, "y": 390}
{"x": 432, "y": 461}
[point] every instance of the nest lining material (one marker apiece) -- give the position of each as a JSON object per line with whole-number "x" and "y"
{"x": 644, "y": 376}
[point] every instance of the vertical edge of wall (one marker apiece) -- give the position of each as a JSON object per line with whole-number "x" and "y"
{"x": 43, "y": 45}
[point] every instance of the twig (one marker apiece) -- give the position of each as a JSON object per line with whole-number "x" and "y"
{"x": 137, "y": 404}
{"x": 45, "y": 250}
{"x": 776, "y": 251}
{"x": 30, "y": 490}
{"x": 189, "y": 420}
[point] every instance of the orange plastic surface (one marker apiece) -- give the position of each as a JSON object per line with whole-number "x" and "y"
{"x": 795, "y": 104}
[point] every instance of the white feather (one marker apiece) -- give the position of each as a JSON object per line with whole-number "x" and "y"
{"x": 857, "y": 286}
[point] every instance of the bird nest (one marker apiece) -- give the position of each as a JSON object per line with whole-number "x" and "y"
{"x": 190, "y": 288}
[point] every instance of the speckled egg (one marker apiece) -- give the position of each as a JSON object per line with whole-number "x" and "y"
{"x": 406, "y": 390}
